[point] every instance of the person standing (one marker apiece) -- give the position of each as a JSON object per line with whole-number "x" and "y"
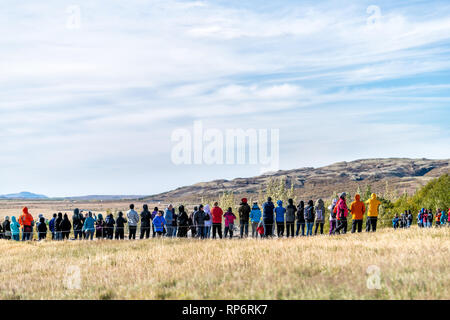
{"x": 279, "y": 216}
{"x": 309, "y": 217}
{"x": 409, "y": 219}
{"x": 320, "y": 216}
{"x": 65, "y": 227}
{"x": 51, "y": 226}
{"x": 208, "y": 221}
{"x": 120, "y": 226}
{"x": 41, "y": 228}
{"x": 217, "y": 214}
{"x": 229, "y": 222}
{"x": 332, "y": 217}
{"x": 159, "y": 222}
{"x": 174, "y": 223}
{"x": 133, "y": 220}
{"x": 244, "y": 217}
{"x": 26, "y": 221}
{"x": 291, "y": 210}
{"x": 301, "y": 218}
{"x": 7, "y": 228}
{"x": 145, "y": 222}
{"x": 192, "y": 224}
{"x": 357, "y": 208}
{"x": 255, "y": 219}
{"x": 77, "y": 222}
{"x": 89, "y": 226}
{"x": 372, "y": 215}
{"x": 15, "y": 229}
{"x": 168, "y": 217}
{"x": 268, "y": 210}
{"x": 341, "y": 210}
{"x": 199, "y": 220}
{"x": 183, "y": 222}
{"x": 100, "y": 232}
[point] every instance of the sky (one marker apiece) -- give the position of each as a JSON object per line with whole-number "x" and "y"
{"x": 92, "y": 91}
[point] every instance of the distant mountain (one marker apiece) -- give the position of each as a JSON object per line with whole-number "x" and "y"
{"x": 23, "y": 195}
{"x": 402, "y": 174}
{"x": 103, "y": 197}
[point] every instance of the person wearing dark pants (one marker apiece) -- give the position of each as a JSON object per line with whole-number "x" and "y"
{"x": 268, "y": 210}
{"x": 145, "y": 222}
{"x": 289, "y": 229}
{"x": 342, "y": 223}
{"x": 357, "y": 225}
{"x": 300, "y": 218}
{"x": 291, "y": 210}
{"x": 244, "y": 217}
{"x": 217, "y": 228}
{"x": 357, "y": 208}
{"x": 120, "y": 226}
{"x": 371, "y": 224}
{"x": 132, "y": 232}
{"x": 320, "y": 216}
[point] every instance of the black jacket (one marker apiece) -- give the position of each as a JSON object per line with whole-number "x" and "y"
{"x": 66, "y": 225}
{"x": 244, "y": 212}
{"x": 77, "y": 220}
{"x": 145, "y": 219}
{"x": 301, "y": 213}
{"x": 120, "y": 222}
{"x": 183, "y": 219}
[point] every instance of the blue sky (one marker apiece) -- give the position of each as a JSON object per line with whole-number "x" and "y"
{"x": 91, "y": 110}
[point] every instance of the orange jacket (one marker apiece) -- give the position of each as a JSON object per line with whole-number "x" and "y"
{"x": 25, "y": 219}
{"x": 357, "y": 208}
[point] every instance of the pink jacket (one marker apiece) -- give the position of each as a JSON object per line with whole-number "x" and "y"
{"x": 339, "y": 206}
{"x": 229, "y": 218}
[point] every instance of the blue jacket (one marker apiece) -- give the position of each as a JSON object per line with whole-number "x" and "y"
{"x": 51, "y": 224}
{"x": 395, "y": 222}
{"x": 15, "y": 226}
{"x": 168, "y": 216}
{"x": 255, "y": 214}
{"x": 268, "y": 209}
{"x": 280, "y": 211}
{"x": 159, "y": 222}
{"x": 89, "y": 224}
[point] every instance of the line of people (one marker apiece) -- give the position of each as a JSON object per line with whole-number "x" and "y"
{"x": 206, "y": 222}
{"x": 425, "y": 219}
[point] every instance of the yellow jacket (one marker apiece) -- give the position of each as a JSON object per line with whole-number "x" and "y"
{"x": 373, "y": 203}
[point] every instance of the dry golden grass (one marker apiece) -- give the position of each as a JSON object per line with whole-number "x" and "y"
{"x": 414, "y": 264}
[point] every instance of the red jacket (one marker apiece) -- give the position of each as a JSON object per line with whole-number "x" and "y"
{"x": 217, "y": 215}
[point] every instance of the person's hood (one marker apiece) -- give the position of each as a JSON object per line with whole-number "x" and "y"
{"x": 334, "y": 202}
{"x": 76, "y": 211}
{"x": 13, "y": 219}
{"x": 120, "y": 214}
{"x": 181, "y": 209}
{"x": 145, "y": 207}
{"x": 343, "y": 195}
{"x": 310, "y": 203}
{"x": 100, "y": 216}
{"x": 66, "y": 217}
{"x": 40, "y": 215}
{"x": 290, "y": 201}
{"x": 373, "y": 196}
{"x": 7, "y": 218}
{"x": 255, "y": 207}
{"x": 320, "y": 204}
{"x": 301, "y": 204}
{"x": 244, "y": 200}
{"x": 25, "y": 210}
{"x": 357, "y": 197}
{"x": 280, "y": 203}
{"x": 207, "y": 209}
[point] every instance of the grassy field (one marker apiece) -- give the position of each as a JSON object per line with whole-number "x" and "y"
{"x": 413, "y": 264}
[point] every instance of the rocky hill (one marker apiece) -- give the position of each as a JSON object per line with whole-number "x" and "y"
{"x": 400, "y": 173}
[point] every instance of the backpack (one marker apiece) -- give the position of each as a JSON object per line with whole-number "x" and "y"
{"x": 309, "y": 213}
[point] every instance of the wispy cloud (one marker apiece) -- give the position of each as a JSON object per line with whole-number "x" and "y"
{"x": 91, "y": 103}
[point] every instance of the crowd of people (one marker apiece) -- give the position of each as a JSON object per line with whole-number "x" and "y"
{"x": 425, "y": 219}
{"x": 206, "y": 222}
